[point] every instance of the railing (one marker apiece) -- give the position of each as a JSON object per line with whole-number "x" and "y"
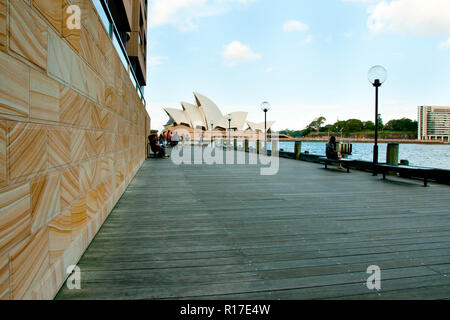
{"x": 106, "y": 17}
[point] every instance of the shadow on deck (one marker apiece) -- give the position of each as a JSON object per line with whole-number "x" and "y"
{"x": 226, "y": 232}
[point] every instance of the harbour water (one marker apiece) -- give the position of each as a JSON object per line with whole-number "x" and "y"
{"x": 424, "y": 155}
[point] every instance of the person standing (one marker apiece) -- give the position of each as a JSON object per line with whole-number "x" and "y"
{"x": 168, "y": 138}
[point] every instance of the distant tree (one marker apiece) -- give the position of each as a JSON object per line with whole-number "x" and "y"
{"x": 403, "y": 125}
{"x": 338, "y": 126}
{"x": 291, "y": 133}
{"x": 368, "y": 126}
{"x": 314, "y": 126}
{"x": 353, "y": 125}
{"x": 326, "y": 128}
{"x": 380, "y": 122}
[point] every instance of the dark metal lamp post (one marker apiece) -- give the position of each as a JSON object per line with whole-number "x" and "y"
{"x": 377, "y": 76}
{"x": 265, "y": 106}
{"x": 229, "y": 130}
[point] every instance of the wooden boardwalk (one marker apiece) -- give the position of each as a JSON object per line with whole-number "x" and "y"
{"x": 226, "y": 232}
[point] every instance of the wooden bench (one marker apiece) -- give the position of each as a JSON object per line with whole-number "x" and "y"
{"x": 345, "y": 162}
{"x": 416, "y": 172}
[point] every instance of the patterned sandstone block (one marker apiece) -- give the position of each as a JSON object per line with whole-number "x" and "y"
{"x": 44, "y": 97}
{"x": 14, "y": 86}
{"x": 47, "y": 287}
{"x": 105, "y": 119}
{"x": 2, "y": 24}
{"x": 27, "y": 148}
{"x": 4, "y": 278}
{"x": 77, "y": 145}
{"x": 60, "y": 58}
{"x": 29, "y": 261}
{"x": 69, "y": 108}
{"x": 87, "y": 51}
{"x": 92, "y": 203}
{"x": 15, "y": 216}
{"x": 52, "y": 11}
{"x": 90, "y": 146}
{"x": 45, "y": 200}
{"x": 60, "y": 234}
{"x": 79, "y": 217}
{"x": 3, "y": 171}
{"x": 99, "y": 143}
{"x": 86, "y": 176}
{"x": 96, "y": 112}
{"x": 78, "y": 75}
{"x": 70, "y": 185}
{"x": 58, "y": 146}
{"x": 28, "y": 33}
{"x": 85, "y": 113}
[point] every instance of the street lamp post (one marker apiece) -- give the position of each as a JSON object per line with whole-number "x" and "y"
{"x": 265, "y": 106}
{"x": 212, "y": 128}
{"x": 377, "y": 76}
{"x": 229, "y": 130}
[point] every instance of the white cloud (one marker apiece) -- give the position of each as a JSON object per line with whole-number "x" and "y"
{"x": 444, "y": 44}
{"x": 236, "y": 52}
{"x": 268, "y": 70}
{"x": 308, "y": 39}
{"x": 418, "y": 17}
{"x": 183, "y": 14}
{"x": 156, "y": 61}
{"x": 295, "y": 25}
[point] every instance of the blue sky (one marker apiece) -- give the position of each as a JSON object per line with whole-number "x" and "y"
{"x": 307, "y": 58}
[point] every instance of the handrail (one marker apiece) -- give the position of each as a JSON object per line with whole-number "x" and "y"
{"x": 122, "y": 47}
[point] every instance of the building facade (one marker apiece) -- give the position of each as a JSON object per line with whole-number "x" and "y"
{"x": 73, "y": 133}
{"x": 130, "y": 18}
{"x": 434, "y": 123}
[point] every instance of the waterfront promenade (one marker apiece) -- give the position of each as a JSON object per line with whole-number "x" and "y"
{"x": 226, "y": 232}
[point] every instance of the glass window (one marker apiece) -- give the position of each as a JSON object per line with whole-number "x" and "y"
{"x": 119, "y": 51}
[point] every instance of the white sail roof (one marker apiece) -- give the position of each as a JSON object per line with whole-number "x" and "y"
{"x": 178, "y": 116}
{"x": 194, "y": 115}
{"x": 237, "y": 120}
{"x": 259, "y": 126}
{"x": 210, "y": 110}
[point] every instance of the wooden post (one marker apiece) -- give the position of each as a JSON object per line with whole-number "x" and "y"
{"x": 246, "y": 145}
{"x": 258, "y": 145}
{"x": 392, "y": 156}
{"x": 297, "y": 149}
{"x": 392, "y": 153}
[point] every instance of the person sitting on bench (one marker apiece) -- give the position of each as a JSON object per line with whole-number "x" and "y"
{"x": 157, "y": 148}
{"x": 331, "y": 151}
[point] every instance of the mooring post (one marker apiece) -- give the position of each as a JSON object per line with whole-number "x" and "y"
{"x": 392, "y": 155}
{"x": 246, "y": 145}
{"x": 297, "y": 149}
{"x": 258, "y": 145}
{"x": 235, "y": 144}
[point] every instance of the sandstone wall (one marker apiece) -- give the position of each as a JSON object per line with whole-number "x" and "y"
{"x": 72, "y": 136}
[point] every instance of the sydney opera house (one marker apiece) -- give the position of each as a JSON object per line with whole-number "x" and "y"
{"x": 205, "y": 115}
